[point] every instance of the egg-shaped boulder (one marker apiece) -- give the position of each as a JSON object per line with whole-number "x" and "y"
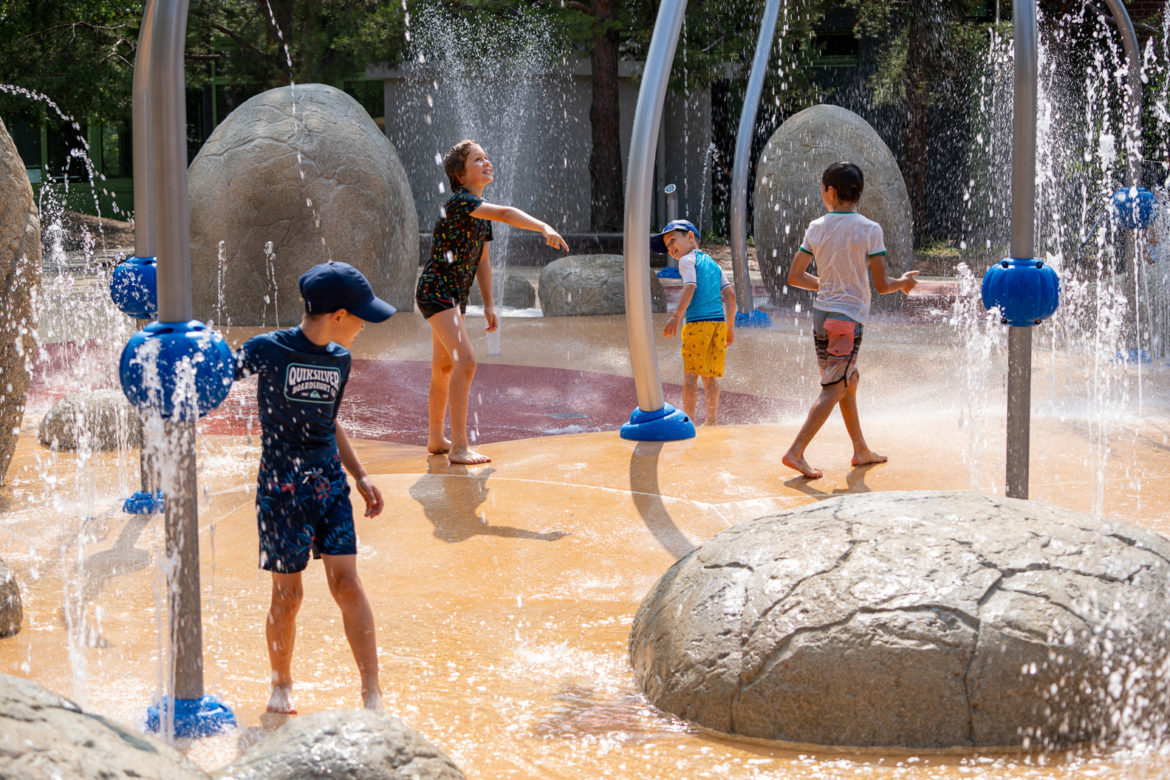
{"x": 20, "y": 284}
{"x": 917, "y": 620}
{"x": 590, "y": 284}
{"x": 294, "y": 177}
{"x": 787, "y": 194}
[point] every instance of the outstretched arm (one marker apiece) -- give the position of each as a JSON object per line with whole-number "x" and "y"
{"x": 519, "y": 219}
{"x": 349, "y": 459}
{"x": 798, "y": 275}
{"x": 884, "y": 284}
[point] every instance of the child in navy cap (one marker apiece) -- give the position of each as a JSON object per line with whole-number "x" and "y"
{"x": 302, "y": 496}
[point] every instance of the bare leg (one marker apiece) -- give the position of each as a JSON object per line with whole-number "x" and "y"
{"x": 820, "y": 411}
{"x": 280, "y": 631}
{"x": 447, "y": 327}
{"x": 711, "y": 396}
{"x": 690, "y": 394}
{"x": 862, "y": 454}
{"x": 441, "y": 367}
{"x": 358, "y": 620}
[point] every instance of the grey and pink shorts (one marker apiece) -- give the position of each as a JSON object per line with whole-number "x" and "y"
{"x": 837, "y": 339}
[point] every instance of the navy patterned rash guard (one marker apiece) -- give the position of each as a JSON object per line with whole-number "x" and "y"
{"x": 298, "y": 394}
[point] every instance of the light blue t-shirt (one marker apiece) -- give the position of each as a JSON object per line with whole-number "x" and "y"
{"x": 699, "y": 269}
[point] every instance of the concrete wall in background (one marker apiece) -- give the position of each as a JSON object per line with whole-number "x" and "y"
{"x": 538, "y": 136}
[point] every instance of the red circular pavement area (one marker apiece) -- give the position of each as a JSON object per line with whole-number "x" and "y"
{"x": 387, "y": 401}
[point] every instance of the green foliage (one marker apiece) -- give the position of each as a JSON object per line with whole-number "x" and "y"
{"x": 77, "y": 52}
{"x": 929, "y": 47}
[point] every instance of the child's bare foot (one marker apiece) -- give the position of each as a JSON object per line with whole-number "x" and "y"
{"x": 865, "y": 457}
{"x": 800, "y": 464}
{"x": 281, "y": 700}
{"x": 372, "y": 700}
{"x": 467, "y": 456}
{"x": 439, "y": 447}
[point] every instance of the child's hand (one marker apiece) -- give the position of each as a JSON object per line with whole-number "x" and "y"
{"x": 553, "y": 239}
{"x": 671, "y": 327}
{"x": 908, "y": 281}
{"x": 493, "y": 322}
{"x": 371, "y": 495}
{"x": 730, "y": 334}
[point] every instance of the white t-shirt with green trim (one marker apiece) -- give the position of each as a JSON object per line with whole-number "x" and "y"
{"x": 841, "y": 244}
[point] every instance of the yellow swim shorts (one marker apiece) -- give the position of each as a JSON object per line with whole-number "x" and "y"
{"x": 704, "y": 346}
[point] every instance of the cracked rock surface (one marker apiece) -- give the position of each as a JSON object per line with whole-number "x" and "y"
{"x": 92, "y": 421}
{"x": 20, "y": 284}
{"x": 788, "y": 179}
{"x": 589, "y": 284}
{"x": 43, "y": 735}
{"x": 347, "y": 743}
{"x": 308, "y": 170}
{"x": 917, "y": 619}
{"x": 11, "y": 609}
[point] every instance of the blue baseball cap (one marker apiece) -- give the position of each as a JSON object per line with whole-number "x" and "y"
{"x": 656, "y": 242}
{"x": 331, "y": 286}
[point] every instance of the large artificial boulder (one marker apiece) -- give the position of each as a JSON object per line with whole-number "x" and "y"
{"x": 294, "y": 177}
{"x": 788, "y": 194}
{"x": 915, "y": 620}
{"x": 589, "y": 284}
{"x": 511, "y": 290}
{"x": 347, "y": 743}
{"x": 11, "y": 610}
{"x": 97, "y": 420}
{"x": 43, "y": 735}
{"x": 20, "y": 282}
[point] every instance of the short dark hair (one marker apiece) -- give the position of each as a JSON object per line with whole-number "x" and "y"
{"x": 455, "y": 160}
{"x": 846, "y": 178}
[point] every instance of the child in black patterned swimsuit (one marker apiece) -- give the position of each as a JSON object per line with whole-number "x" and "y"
{"x": 459, "y": 256}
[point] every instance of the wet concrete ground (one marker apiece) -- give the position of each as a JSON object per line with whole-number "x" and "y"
{"x": 504, "y": 593}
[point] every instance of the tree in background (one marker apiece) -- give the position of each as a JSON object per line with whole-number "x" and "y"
{"x": 929, "y": 52}
{"x": 79, "y": 53}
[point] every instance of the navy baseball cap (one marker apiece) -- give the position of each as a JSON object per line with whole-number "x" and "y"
{"x": 331, "y": 286}
{"x": 656, "y": 242}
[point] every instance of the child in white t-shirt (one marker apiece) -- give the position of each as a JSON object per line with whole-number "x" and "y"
{"x": 846, "y": 247}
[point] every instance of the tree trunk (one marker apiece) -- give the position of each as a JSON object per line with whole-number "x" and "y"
{"x": 605, "y": 159}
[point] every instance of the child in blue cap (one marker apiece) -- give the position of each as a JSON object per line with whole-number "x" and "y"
{"x": 302, "y": 496}
{"x": 708, "y": 302}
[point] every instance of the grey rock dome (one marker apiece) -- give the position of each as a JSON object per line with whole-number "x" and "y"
{"x": 20, "y": 284}
{"x": 915, "y": 619}
{"x": 589, "y": 284}
{"x": 344, "y": 743}
{"x": 306, "y": 170}
{"x": 788, "y": 186}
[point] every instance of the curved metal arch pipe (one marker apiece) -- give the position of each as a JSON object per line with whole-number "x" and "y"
{"x": 1129, "y": 42}
{"x": 639, "y": 194}
{"x": 145, "y": 244}
{"x": 1019, "y": 391}
{"x": 166, "y": 96}
{"x": 168, "y": 111}
{"x": 743, "y": 154}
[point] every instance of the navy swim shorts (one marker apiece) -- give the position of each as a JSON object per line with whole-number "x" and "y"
{"x": 301, "y": 512}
